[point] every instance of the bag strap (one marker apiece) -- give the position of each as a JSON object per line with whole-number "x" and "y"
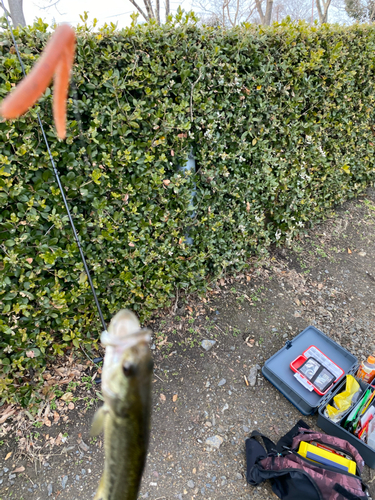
{"x": 270, "y": 445}
{"x": 347, "y": 494}
{"x": 256, "y": 452}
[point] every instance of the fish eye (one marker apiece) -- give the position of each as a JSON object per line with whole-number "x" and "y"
{"x": 128, "y": 369}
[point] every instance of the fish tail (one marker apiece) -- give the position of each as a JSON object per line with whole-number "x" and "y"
{"x": 100, "y": 493}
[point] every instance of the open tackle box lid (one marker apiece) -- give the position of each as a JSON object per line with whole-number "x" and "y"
{"x": 277, "y": 369}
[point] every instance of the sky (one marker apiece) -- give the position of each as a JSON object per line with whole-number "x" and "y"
{"x": 106, "y": 11}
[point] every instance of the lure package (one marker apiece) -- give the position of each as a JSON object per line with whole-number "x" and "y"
{"x": 327, "y": 456}
{"x": 344, "y": 400}
{"x": 315, "y": 371}
{"x": 354, "y": 410}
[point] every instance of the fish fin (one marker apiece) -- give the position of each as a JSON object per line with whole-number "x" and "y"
{"x": 100, "y": 492}
{"x": 98, "y": 421}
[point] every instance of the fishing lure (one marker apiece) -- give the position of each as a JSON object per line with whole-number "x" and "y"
{"x": 56, "y": 61}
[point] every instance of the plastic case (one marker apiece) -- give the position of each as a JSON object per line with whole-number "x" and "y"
{"x": 367, "y": 453}
{"x": 277, "y": 370}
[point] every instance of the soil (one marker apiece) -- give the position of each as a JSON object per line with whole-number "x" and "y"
{"x": 327, "y": 279}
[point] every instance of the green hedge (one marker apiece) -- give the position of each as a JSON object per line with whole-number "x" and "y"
{"x": 282, "y": 126}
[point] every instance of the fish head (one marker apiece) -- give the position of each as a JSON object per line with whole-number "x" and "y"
{"x": 128, "y": 365}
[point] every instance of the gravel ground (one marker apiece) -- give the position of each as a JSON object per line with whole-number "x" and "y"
{"x": 202, "y": 408}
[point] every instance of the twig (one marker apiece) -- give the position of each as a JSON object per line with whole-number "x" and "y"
{"x": 176, "y": 303}
{"x": 191, "y": 95}
{"x": 217, "y": 326}
{"x": 159, "y": 377}
{"x": 86, "y": 354}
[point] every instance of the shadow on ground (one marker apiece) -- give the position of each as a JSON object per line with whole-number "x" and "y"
{"x": 327, "y": 279}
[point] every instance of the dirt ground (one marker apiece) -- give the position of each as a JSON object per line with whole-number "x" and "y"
{"x": 327, "y": 280}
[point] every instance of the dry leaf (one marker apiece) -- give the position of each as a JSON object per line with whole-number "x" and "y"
{"x": 349, "y": 251}
{"x": 71, "y": 406}
{"x": 162, "y": 398}
{"x": 8, "y": 455}
{"x": 56, "y": 416}
{"x": 68, "y": 396}
{"x": 174, "y": 398}
{"x": 29, "y": 260}
{"x": 320, "y": 286}
{"x": 19, "y": 469}
{"x": 362, "y": 254}
{"x": 297, "y": 302}
{"x": 166, "y": 182}
{"x": 163, "y": 342}
{"x": 131, "y": 244}
{"x": 7, "y": 415}
{"x": 248, "y": 206}
{"x": 47, "y": 422}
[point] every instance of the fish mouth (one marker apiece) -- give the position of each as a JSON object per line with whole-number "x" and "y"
{"x": 126, "y": 340}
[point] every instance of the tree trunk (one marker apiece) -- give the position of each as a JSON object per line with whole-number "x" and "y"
{"x": 323, "y": 12}
{"x": 268, "y": 14}
{"x": 265, "y": 18}
{"x": 16, "y": 12}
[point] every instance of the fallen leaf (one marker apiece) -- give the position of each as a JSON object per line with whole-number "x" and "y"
{"x": 362, "y": 254}
{"x": 174, "y": 398}
{"x": 83, "y": 446}
{"x": 248, "y": 206}
{"x": 58, "y": 440}
{"x": 19, "y": 469}
{"x": 166, "y": 182}
{"x": 29, "y": 260}
{"x": 56, "y": 416}
{"x": 9, "y": 455}
{"x": 68, "y": 396}
{"x": 47, "y": 422}
{"x": 297, "y": 302}
{"x": 71, "y": 406}
{"x": 349, "y": 251}
{"x": 162, "y": 398}
{"x": 7, "y": 415}
{"x": 320, "y": 286}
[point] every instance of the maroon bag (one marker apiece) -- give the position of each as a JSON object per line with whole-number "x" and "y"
{"x": 294, "y": 477}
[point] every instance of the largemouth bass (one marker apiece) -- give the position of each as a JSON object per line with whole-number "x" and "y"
{"x": 125, "y": 415}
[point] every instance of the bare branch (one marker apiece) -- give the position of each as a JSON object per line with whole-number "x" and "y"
{"x": 139, "y": 9}
{"x": 158, "y": 11}
{"x": 260, "y": 11}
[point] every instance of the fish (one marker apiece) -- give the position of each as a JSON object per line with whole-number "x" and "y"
{"x": 126, "y": 412}
{"x": 56, "y": 61}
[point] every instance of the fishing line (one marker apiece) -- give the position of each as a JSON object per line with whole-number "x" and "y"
{"x": 59, "y": 183}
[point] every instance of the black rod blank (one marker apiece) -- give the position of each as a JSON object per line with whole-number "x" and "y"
{"x": 60, "y": 186}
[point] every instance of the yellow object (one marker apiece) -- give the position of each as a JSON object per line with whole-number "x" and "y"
{"x": 366, "y": 371}
{"x": 343, "y": 400}
{"x": 324, "y": 457}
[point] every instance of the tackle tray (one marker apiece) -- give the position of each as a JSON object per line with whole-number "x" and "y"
{"x": 277, "y": 371}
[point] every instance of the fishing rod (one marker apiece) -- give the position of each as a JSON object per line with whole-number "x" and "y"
{"x": 62, "y": 191}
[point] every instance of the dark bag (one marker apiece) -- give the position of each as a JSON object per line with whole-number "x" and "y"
{"x": 296, "y": 478}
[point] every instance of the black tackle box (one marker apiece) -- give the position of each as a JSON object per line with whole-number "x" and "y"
{"x": 277, "y": 370}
